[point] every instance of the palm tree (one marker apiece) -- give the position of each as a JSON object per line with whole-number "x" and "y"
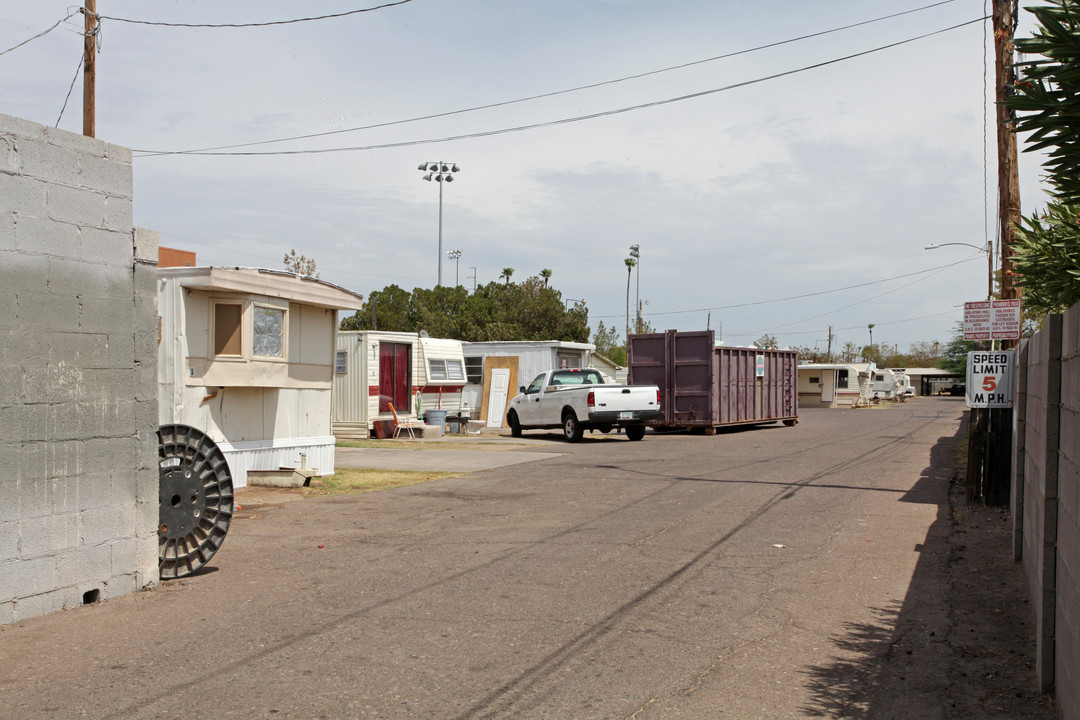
{"x": 546, "y": 274}
{"x": 506, "y": 273}
{"x": 870, "y": 327}
{"x": 630, "y": 263}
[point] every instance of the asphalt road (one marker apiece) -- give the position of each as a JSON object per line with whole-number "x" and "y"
{"x": 758, "y": 573}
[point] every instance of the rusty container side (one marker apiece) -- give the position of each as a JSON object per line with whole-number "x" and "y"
{"x": 702, "y": 385}
{"x": 683, "y": 366}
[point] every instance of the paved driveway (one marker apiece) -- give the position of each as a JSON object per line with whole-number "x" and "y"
{"x": 756, "y": 574}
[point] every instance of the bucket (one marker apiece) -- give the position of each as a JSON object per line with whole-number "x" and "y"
{"x": 436, "y": 417}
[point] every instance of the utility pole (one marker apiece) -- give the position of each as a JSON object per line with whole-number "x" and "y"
{"x": 89, "y": 66}
{"x": 990, "y": 434}
{"x": 1005, "y": 12}
{"x": 828, "y": 353}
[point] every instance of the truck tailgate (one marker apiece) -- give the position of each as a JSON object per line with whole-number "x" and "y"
{"x": 625, "y": 398}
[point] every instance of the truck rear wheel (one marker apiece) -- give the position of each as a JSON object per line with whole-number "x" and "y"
{"x": 635, "y": 432}
{"x": 571, "y": 427}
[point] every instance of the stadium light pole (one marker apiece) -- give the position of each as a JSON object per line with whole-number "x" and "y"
{"x": 441, "y": 172}
{"x": 635, "y": 252}
{"x": 455, "y": 255}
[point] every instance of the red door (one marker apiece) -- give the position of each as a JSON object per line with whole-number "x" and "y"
{"x": 395, "y": 360}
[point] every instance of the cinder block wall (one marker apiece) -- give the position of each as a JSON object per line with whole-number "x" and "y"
{"x": 1067, "y": 645}
{"x": 78, "y": 354}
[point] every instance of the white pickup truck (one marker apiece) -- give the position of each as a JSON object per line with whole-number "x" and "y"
{"x": 579, "y": 400}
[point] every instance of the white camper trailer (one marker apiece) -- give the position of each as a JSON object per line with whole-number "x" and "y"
{"x": 374, "y": 370}
{"x": 247, "y": 357}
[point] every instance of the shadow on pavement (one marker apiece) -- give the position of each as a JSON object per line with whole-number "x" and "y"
{"x": 961, "y": 644}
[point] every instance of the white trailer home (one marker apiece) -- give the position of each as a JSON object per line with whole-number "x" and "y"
{"x": 495, "y": 370}
{"x": 374, "y": 369}
{"x": 833, "y": 385}
{"x": 247, "y": 357}
{"x": 887, "y": 384}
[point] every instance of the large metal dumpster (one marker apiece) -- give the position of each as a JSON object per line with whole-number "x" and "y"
{"x": 705, "y": 386}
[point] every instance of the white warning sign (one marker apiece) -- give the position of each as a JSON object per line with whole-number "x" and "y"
{"x": 989, "y": 379}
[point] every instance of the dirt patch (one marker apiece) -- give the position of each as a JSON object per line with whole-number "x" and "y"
{"x": 993, "y": 628}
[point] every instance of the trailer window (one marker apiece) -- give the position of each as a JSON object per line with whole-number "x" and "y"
{"x": 474, "y": 370}
{"x": 341, "y": 362}
{"x": 227, "y": 329}
{"x": 268, "y": 332}
{"x": 841, "y": 378}
{"x": 440, "y": 369}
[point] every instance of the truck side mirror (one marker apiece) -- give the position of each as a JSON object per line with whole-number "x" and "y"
{"x": 521, "y": 389}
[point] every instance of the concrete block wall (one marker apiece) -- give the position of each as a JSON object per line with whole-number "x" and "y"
{"x": 1067, "y": 636}
{"x": 1046, "y": 500}
{"x": 78, "y": 394}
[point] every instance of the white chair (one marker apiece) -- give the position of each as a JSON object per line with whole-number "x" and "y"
{"x": 399, "y": 425}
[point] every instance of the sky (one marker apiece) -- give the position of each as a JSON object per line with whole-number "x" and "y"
{"x": 780, "y": 171}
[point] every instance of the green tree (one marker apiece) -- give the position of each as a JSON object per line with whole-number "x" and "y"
{"x": 812, "y": 355}
{"x": 1047, "y": 247}
{"x": 506, "y": 273}
{"x": 954, "y": 359}
{"x": 872, "y": 353}
{"x": 609, "y": 343}
{"x": 924, "y": 354}
{"x": 767, "y": 341}
{"x": 546, "y": 275}
{"x": 525, "y": 311}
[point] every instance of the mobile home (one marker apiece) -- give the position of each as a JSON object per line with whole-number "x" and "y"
{"x": 374, "y": 370}
{"x": 832, "y": 385}
{"x": 247, "y": 357}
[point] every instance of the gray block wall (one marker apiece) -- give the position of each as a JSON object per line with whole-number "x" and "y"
{"x": 1046, "y": 500}
{"x": 1067, "y": 640}
{"x": 78, "y": 390}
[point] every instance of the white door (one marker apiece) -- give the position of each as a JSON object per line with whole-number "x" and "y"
{"x": 500, "y": 386}
{"x": 828, "y": 388}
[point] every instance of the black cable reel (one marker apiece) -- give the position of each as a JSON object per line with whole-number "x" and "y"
{"x": 196, "y": 500}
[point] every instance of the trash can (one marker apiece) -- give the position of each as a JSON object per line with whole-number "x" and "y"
{"x": 436, "y": 417}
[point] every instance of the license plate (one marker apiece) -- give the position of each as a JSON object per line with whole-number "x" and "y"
{"x": 626, "y": 416}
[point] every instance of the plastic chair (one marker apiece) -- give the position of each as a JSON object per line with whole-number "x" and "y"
{"x": 408, "y": 425}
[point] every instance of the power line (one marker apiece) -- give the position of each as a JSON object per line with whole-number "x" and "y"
{"x": 938, "y": 268}
{"x": 335, "y": 269}
{"x": 564, "y": 121}
{"x": 569, "y": 90}
{"x": 774, "y": 328}
{"x": 43, "y": 33}
{"x": 70, "y": 88}
{"x": 251, "y": 25}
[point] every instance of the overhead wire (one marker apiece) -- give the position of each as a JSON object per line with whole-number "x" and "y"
{"x": 70, "y": 88}
{"x": 774, "y": 328}
{"x": 562, "y": 121}
{"x": 43, "y": 33}
{"x": 936, "y": 269}
{"x": 565, "y": 91}
{"x": 254, "y": 24}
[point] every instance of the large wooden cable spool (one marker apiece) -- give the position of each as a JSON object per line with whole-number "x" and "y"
{"x": 196, "y": 500}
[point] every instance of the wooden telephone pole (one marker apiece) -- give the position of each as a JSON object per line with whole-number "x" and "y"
{"x": 1008, "y": 174}
{"x": 990, "y": 435}
{"x": 89, "y": 66}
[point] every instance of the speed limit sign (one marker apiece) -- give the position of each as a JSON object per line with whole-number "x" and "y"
{"x": 989, "y": 379}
